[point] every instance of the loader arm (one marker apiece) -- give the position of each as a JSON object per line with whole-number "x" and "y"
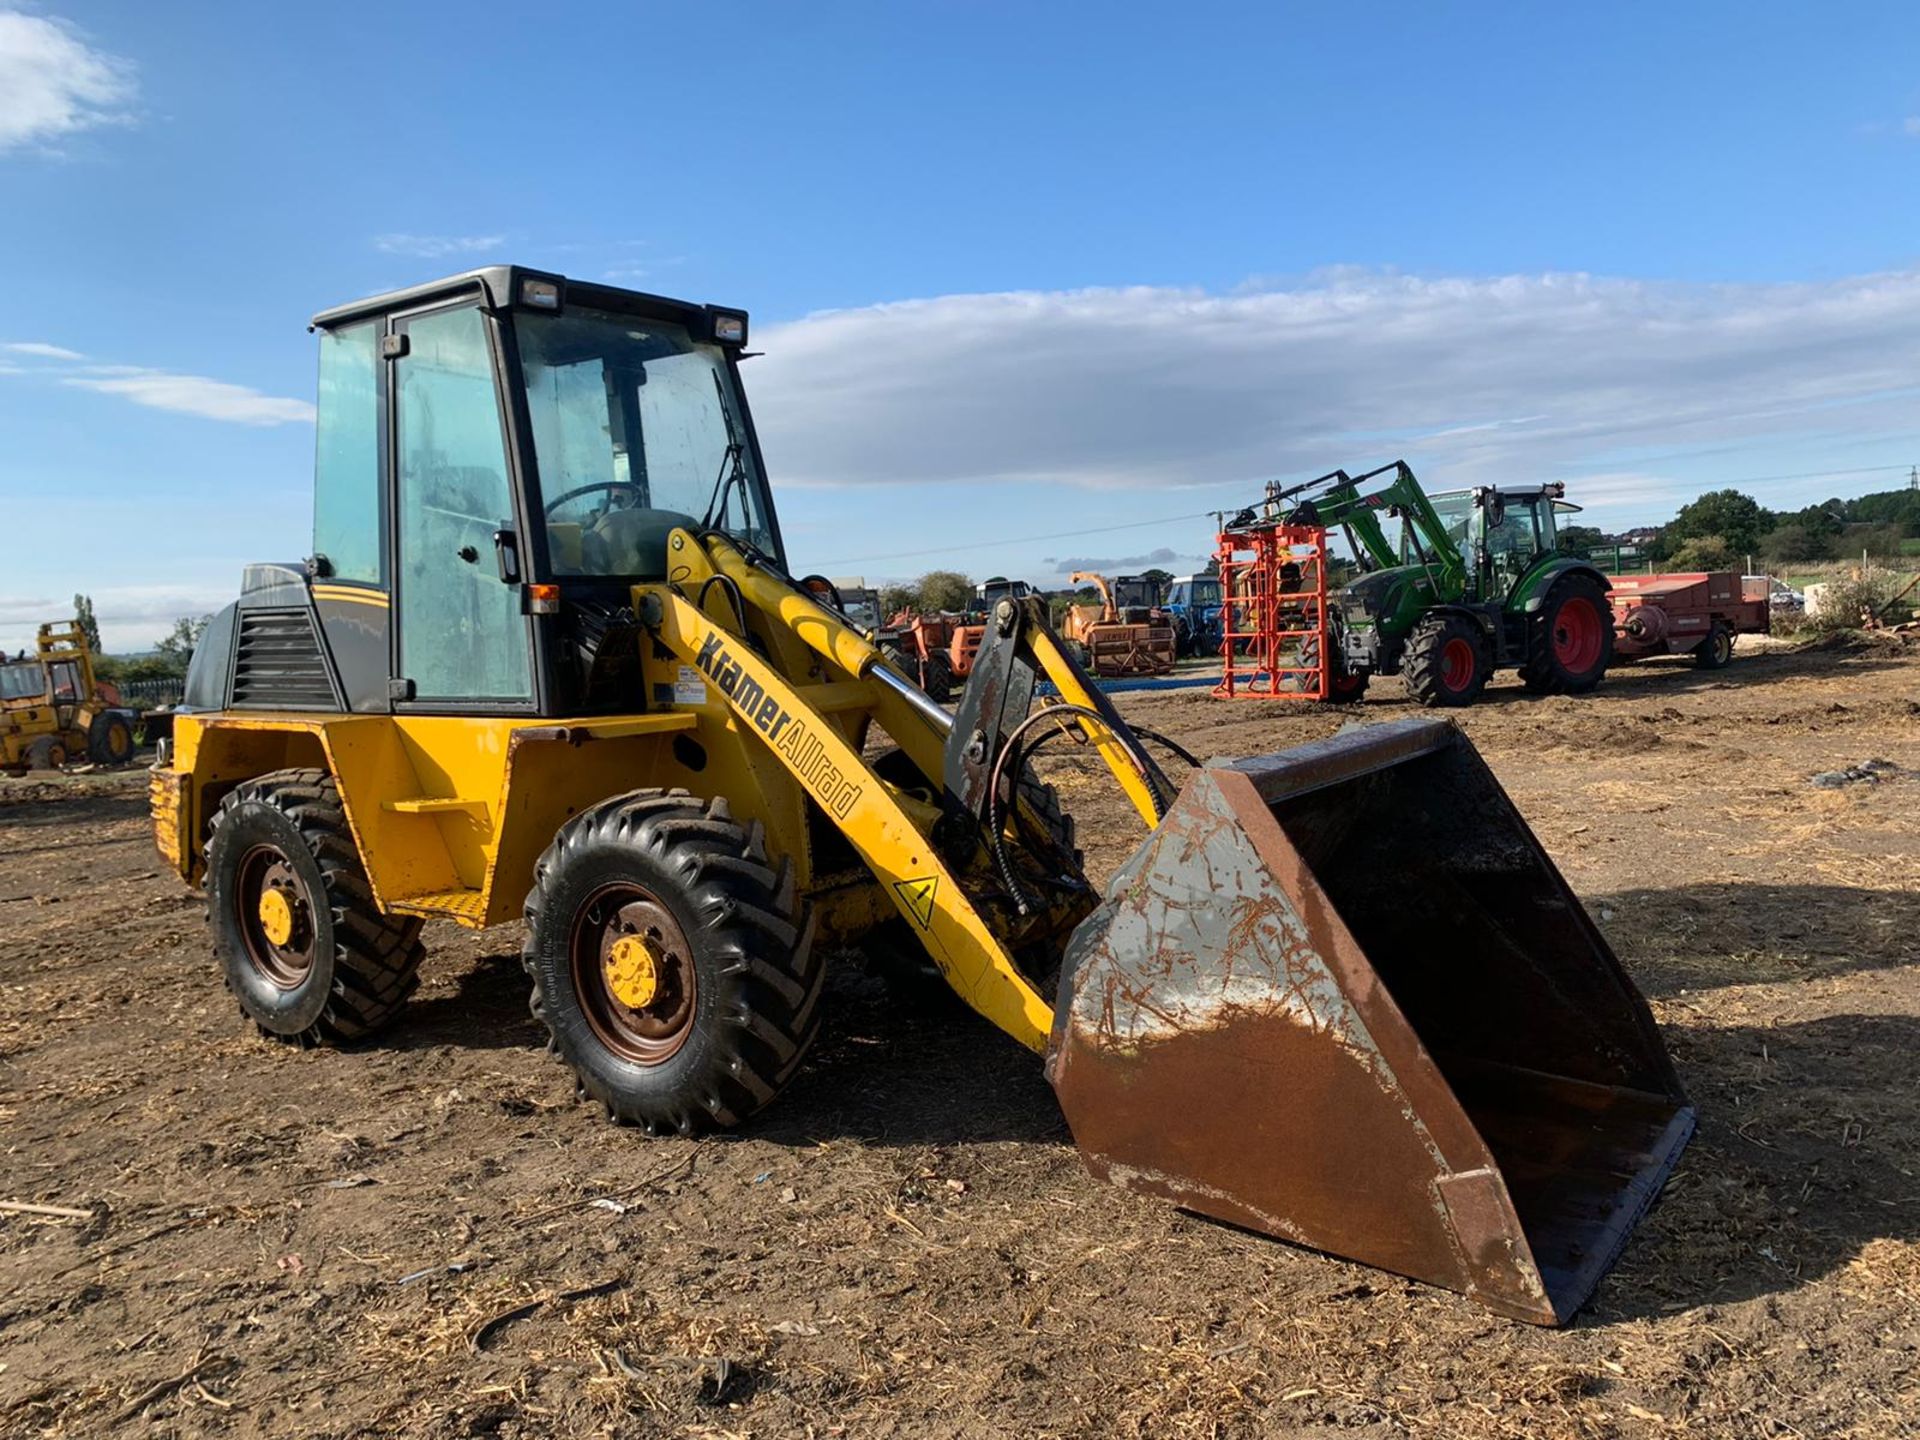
{"x": 753, "y": 655}
{"x": 1356, "y": 506}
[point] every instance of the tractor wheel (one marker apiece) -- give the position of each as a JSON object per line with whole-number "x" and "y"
{"x": 306, "y": 951}
{"x": 1446, "y": 661}
{"x": 1183, "y": 638}
{"x": 1346, "y": 687}
{"x": 936, "y": 678}
{"x": 671, "y": 963}
{"x": 110, "y": 739}
{"x": 46, "y": 753}
{"x": 1570, "y": 642}
{"x": 1716, "y": 650}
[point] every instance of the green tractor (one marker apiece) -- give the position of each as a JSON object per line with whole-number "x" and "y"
{"x": 1474, "y": 585}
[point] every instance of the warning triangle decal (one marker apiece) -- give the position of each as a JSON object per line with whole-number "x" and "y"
{"x": 919, "y": 897}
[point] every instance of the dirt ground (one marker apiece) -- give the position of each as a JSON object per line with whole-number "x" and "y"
{"x": 429, "y": 1237}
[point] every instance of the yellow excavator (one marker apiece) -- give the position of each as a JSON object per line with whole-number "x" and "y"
{"x": 547, "y": 662}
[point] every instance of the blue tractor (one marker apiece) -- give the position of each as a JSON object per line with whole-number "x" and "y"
{"x": 1194, "y": 603}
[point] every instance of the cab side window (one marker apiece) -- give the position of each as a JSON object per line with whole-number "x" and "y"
{"x": 346, "y": 474}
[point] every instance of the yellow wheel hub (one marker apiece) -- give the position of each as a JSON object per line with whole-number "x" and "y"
{"x": 276, "y": 917}
{"x": 633, "y": 976}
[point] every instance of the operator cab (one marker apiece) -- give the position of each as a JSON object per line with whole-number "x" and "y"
{"x": 1196, "y": 591}
{"x": 1509, "y": 528}
{"x": 502, "y": 455}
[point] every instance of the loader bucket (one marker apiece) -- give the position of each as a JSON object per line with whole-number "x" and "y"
{"x": 1342, "y": 996}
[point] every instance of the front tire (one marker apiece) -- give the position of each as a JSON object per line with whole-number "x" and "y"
{"x": 1570, "y": 642}
{"x": 46, "y": 753}
{"x": 110, "y": 739}
{"x": 671, "y": 964}
{"x": 1446, "y": 661}
{"x": 1346, "y": 687}
{"x": 305, "y": 949}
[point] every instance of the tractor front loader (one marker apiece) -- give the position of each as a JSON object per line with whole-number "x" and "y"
{"x": 546, "y": 662}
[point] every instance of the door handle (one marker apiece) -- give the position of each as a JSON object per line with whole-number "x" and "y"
{"x": 506, "y": 553}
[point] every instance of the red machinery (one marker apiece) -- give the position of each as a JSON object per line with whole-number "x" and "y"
{"x": 1693, "y": 612}
{"x": 1273, "y": 597}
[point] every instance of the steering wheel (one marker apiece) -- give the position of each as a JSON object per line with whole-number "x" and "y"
{"x": 575, "y": 493}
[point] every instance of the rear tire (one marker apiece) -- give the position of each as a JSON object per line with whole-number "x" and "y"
{"x": 671, "y": 964}
{"x": 321, "y": 964}
{"x": 1570, "y": 642}
{"x": 936, "y": 678}
{"x": 1446, "y": 661}
{"x": 1716, "y": 650}
{"x": 110, "y": 739}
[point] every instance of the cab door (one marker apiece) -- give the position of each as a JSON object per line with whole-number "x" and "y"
{"x": 462, "y": 642}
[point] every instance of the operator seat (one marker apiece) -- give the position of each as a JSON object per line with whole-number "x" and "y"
{"x": 632, "y": 542}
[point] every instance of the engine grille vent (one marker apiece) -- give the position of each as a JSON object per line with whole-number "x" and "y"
{"x": 277, "y": 662}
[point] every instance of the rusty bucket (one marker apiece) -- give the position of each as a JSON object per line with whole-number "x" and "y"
{"x": 1342, "y": 996}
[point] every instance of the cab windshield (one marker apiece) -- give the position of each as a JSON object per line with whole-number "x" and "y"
{"x": 1455, "y": 510}
{"x": 636, "y": 431}
{"x": 1203, "y": 592}
{"x": 22, "y": 681}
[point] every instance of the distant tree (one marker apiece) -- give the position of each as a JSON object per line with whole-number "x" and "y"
{"x": 1162, "y": 578}
{"x": 1581, "y": 539}
{"x": 83, "y": 617}
{"x": 894, "y": 599}
{"x": 1881, "y": 542}
{"x": 1735, "y": 519}
{"x": 177, "y": 648}
{"x": 120, "y": 669}
{"x": 1213, "y": 566}
{"x": 1794, "y": 541}
{"x": 1886, "y": 507}
{"x": 1706, "y": 552}
{"x": 943, "y": 590}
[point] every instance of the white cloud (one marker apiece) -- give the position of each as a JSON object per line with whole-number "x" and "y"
{"x": 437, "y": 247}
{"x": 195, "y": 395}
{"x": 41, "y": 350}
{"x": 53, "y": 84}
{"x": 131, "y": 617}
{"x": 1153, "y": 389}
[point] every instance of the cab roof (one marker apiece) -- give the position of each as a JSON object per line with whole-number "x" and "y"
{"x": 500, "y": 287}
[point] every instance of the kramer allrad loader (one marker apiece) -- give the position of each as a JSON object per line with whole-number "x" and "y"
{"x": 546, "y": 662}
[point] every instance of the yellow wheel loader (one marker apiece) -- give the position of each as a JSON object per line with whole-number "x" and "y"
{"x": 547, "y": 662}
{"x": 53, "y": 709}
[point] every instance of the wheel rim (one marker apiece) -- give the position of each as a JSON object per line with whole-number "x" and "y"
{"x": 119, "y": 738}
{"x": 1456, "y": 664}
{"x": 276, "y": 917}
{"x": 1576, "y": 634}
{"x": 633, "y": 971}
{"x": 1723, "y": 647}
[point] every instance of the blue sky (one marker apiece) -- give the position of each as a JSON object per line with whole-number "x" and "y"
{"x": 1021, "y": 271}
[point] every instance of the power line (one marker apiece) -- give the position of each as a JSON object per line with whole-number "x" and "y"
{"x": 1002, "y": 540}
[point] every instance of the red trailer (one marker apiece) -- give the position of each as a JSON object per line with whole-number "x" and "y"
{"x": 1695, "y": 612}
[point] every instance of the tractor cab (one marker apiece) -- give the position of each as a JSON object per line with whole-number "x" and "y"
{"x": 502, "y": 455}
{"x": 1503, "y": 533}
{"x": 1135, "y": 597}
